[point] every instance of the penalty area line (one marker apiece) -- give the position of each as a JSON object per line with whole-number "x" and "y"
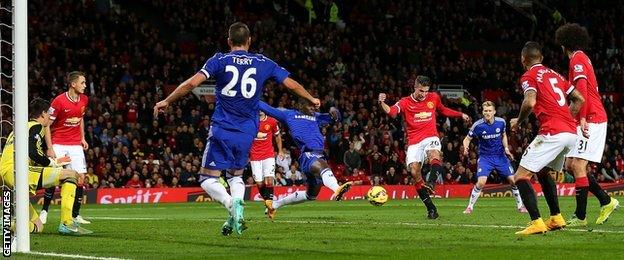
{"x": 72, "y": 256}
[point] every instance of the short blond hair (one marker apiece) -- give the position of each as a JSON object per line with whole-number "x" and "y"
{"x": 73, "y": 76}
{"x": 488, "y": 104}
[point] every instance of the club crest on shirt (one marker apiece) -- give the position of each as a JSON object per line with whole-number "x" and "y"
{"x": 430, "y": 105}
{"x": 498, "y": 130}
{"x": 267, "y": 127}
{"x": 578, "y": 68}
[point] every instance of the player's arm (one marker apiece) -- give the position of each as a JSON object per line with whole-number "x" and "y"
{"x": 466, "y": 144}
{"x": 390, "y": 111}
{"x": 506, "y": 145}
{"x": 278, "y": 141}
{"x": 299, "y": 90}
{"x": 447, "y": 112}
{"x": 48, "y": 140}
{"x": 581, "y": 86}
{"x": 530, "y": 98}
{"x": 34, "y": 146}
{"x": 85, "y": 145}
{"x": 273, "y": 112}
{"x": 182, "y": 90}
{"x": 576, "y": 102}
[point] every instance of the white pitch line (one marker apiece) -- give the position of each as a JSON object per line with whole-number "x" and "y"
{"x": 379, "y": 223}
{"x": 125, "y": 218}
{"x": 73, "y": 256}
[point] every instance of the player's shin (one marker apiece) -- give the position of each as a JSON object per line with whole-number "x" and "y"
{"x": 77, "y": 200}
{"x": 549, "y": 188}
{"x": 528, "y": 197}
{"x": 474, "y": 196}
{"x": 516, "y": 194}
{"x": 600, "y": 193}
{"x": 68, "y": 191}
{"x": 582, "y": 188}
{"x": 212, "y": 186}
{"x": 268, "y": 187}
{"x": 329, "y": 180}
{"x": 423, "y": 194}
{"x": 237, "y": 186}
{"x": 293, "y": 198}
{"x": 47, "y": 198}
{"x": 435, "y": 172}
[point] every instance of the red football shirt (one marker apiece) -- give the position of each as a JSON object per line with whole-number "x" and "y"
{"x": 67, "y": 116}
{"x": 420, "y": 116}
{"x": 551, "y": 107}
{"x": 581, "y": 68}
{"x": 262, "y": 148}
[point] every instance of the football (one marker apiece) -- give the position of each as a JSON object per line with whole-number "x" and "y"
{"x": 377, "y": 195}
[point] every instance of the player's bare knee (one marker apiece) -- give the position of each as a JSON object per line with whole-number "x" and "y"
{"x": 480, "y": 183}
{"x": 523, "y": 174}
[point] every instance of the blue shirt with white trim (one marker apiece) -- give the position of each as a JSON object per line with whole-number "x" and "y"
{"x": 489, "y": 136}
{"x": 240, "y": 78}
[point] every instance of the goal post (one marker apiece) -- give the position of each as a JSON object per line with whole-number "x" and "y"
{"x": 20, "y": 111}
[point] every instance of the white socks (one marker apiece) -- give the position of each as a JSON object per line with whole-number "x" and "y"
{"x": 293, "y": 198}
{"x": 217, "y": 192}
{"x": 237, "y": 186}
{"x": 329, "y": 180}
{"x": 474, "y": 196}
{"x": 516, "y": 194}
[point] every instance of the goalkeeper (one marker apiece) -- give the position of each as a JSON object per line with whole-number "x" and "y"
{"x": 43, "y": 172}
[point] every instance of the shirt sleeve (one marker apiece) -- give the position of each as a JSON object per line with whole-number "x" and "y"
{"x": 395, "y": 109}
{"x": 472, "y": 130}
{"x": 54, "y": 109}
{"x": 445, "y": 111}
{"x": 323, "y": 118}
{"x": 278, "y": 73}
{"x": 577, "y": 69}
{"x": 276, "y": 129}
{"x": 35, "y": 145}
{"x": 211, "y": 67}
{"x": 527, "y": 83}
{"x": 278, "y": 114}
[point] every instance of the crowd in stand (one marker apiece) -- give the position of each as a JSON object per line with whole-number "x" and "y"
{"x": 132, "y": 56}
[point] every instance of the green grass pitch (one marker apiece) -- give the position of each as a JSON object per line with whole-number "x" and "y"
{"x": 323, "y": 230}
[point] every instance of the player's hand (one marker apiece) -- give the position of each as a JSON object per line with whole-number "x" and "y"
{"x": 514, "y": 124}
{"x": 584, "y": 127}
{"x": 466, "y": 118}
{"x": 60, "y": 162}
{"x": 280, "y": 154}
{"x": 465, "y": 151}
{"x": 261, "y": 135}
{"x": 509, "y": 154}
{"x": 160, "y": 106}
{"x": 316, "y": 102}
{"x": 51, "y": 153}
{"x": 382, "y": 97}
{"x": 85, "y": 145}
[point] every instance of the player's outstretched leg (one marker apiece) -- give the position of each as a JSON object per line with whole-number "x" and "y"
{"x": 68, "y": 226}
{"x": 556, "y": 220}
{"x": 537, "y": 225}
{"x": 47, "y": 199}
{"x": 607, "y": 203}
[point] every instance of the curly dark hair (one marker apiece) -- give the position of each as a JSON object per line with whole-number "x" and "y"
{"x": 572, "y": 36}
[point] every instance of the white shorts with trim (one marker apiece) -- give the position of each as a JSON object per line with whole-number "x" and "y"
{"x": 418, "y": 152}
{"x": 547, "y": 151}
{"x": 75, "y": 152}
{"x": 262, "y": 169}
{"x": 591, "y": 148}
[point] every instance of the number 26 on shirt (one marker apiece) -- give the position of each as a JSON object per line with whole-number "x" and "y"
{"x": 247, "y": 83}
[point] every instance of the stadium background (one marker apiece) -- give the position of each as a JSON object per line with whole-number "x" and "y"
{"x": 135, "y": 52}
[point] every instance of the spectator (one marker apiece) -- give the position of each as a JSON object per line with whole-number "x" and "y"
{"x": 135, "y": 182}
{"x": 392, "y": 178}
{"x": 352, "y": 159}
{"x": 284, "y": 161}
{"x": 609, "y": 173}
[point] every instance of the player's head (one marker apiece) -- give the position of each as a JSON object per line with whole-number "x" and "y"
{"x": 77, "y": 81}
{"x": 531, "y": 54}
{"x": 422, "y": 84}
{"x": 262, "y": 114}
{"x": 305, "y": 107}
{"x": 239, "y": 35}
{"x": 572, "y": 37}
{"x": 489, "y": 110}
{"x": 38, "y": 110}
